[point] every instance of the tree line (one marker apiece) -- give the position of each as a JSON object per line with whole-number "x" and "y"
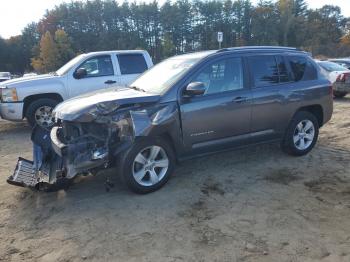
{"x": 172, "y": 28}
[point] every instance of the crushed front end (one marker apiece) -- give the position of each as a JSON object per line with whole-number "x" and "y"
{"x": 90, "y": 133}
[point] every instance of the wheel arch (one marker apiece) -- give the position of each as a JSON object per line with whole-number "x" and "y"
{"x": 30, "y": 99}
{"x": 316, "y": 110}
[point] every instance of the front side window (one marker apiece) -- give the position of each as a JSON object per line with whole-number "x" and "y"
{"x": 264, "y": 69}
{"x": 98, "y": 66}
{"x": 131, "y": 64}
{"x": 224, "y": 75}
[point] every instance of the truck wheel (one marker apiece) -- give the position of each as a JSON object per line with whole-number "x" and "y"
{"x": 301, "y": 135}
{"x": 40, "y": 112}
{"x": 147, "y": 165}
{"x": 339, "y": 94}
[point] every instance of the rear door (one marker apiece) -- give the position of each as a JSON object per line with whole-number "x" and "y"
{"x": 101, "y": 74}
{"x": 130, "y": 67}
{"x": 270, "y": 112}
{"x": 223, "y": 114}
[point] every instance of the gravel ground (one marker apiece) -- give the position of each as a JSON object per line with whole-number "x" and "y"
{"x": 255, "y": 204}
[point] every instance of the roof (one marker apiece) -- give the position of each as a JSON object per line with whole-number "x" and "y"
{"x": 116, "y": 52}
{"x": 260, "y": 48}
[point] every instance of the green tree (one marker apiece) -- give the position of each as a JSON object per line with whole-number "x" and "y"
{"x": 64, "y": 47}
{"x": 48, "y": 57}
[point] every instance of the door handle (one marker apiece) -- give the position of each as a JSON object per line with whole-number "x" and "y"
{"x": 108, "y": 82}
{"x": 239, "y": 99}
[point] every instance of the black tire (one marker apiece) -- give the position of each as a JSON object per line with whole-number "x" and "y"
{"x": 126, "y": 164}
{"x": 339, "y": 94}
{"x": 288, "y": 144}
{"x": 33, "y": 106}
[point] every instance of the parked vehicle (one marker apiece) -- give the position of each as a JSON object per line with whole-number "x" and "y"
{"x": 338, "y": 75}
{"x": 186, "y": 106}
{"x": 345, "y": 62}
{"x": 4, "y": 76}
{"x": 29, "y": 74}
{"x": 35, "y": 97}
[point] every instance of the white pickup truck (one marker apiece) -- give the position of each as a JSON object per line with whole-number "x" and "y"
{"x": 35, "y": 97}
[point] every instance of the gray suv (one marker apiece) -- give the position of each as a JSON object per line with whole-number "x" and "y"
{"x": 185, "y": 106}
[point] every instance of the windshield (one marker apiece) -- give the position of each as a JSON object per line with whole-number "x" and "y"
{"x": 330, "y": 66}
{"x": 160, "y": 77}
{"x": 64, "y": 69}
{"x": 5, "y": 74}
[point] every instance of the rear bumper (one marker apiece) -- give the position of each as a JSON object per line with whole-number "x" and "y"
{"x": 341, "y": 87}
{"x": 11, "y": 111}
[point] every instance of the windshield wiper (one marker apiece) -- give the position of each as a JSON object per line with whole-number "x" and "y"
{"x": 137, "y": 88}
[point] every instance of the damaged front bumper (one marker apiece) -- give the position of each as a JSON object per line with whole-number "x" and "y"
{"x": 26, "y": 175}
{"x": 72, "y": 147}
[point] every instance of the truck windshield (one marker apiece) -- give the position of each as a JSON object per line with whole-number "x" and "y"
{"x": 160, "y": 77}
{"x": 330, "y": 66}
{"x": 64, "y": 69}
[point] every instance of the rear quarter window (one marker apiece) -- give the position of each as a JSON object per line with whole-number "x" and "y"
{"x": 302, "y": 68}
{"x": 131, "y": 64}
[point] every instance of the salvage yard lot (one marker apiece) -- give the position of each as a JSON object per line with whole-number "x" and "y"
{"x": 255, "y": 204}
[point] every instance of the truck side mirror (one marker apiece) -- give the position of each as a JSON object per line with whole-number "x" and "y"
{"x": 80, "y": 73}
{"x": 195, "y": 89}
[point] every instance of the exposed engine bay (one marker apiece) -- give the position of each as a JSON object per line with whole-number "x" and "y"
{"x": 89, "y": 139}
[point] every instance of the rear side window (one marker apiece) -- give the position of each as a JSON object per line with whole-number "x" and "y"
{"x": 264, "y": 69}
{"x": 302, "y": 68}
{"x": 284, "y": 76}
{"x": 132, "y": 64}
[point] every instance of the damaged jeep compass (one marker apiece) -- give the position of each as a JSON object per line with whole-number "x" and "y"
{"x": 185, "y": 106}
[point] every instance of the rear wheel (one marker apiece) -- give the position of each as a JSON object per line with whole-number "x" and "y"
{"x": 339, "y": 94}
{"x": 301, "y": 135}
{"x": 147, "y": 165}
{"x": 40, "y": 112}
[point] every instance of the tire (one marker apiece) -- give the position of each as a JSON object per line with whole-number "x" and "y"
{"x": 44, "y": 103}
{"x": 303, "y": 126}
{"x": 339, "y": 94}
{"x": 130, "y": 168}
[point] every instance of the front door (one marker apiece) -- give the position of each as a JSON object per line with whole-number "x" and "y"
{"x": 223, "y": 114}
{"x": 100, "y": 74}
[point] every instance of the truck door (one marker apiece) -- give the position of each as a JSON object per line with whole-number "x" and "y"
{"x": 100, "y": 74}
{"x": 130, "y": 67}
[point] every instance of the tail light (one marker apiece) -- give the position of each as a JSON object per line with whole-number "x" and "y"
{"x": 342, "y": 77}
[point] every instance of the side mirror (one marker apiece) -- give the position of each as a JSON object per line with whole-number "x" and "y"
{"x": 195, "y": 89}
{"x": 80, "y": 73}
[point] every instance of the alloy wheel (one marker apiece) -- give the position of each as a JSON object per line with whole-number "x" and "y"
{"x": 43, "y": 116}
{"x": 150, "y": 166}
{"x": 304, "y": 134}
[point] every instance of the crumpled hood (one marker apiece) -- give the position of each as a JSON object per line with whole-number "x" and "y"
{"x": 89, "y": 106}
{"x": 27, "y": 81}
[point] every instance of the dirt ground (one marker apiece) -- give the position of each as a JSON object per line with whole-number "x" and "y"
{"x": 255, "y": 204}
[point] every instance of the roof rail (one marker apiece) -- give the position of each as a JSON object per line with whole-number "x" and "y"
{"x": 259, "y": 48}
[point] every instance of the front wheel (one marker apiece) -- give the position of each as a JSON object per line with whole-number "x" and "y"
{"x": 39, "y": 112}
{"x": 301, "y": 135}
{"x": 147, "y": 165}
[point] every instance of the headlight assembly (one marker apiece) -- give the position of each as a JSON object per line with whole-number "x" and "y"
{"x": 9, "y": 95}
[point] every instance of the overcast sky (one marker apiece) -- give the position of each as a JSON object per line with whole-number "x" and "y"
{"x": 16, "y": 14}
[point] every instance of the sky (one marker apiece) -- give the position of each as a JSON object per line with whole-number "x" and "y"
{"x": 16, "y": 14}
